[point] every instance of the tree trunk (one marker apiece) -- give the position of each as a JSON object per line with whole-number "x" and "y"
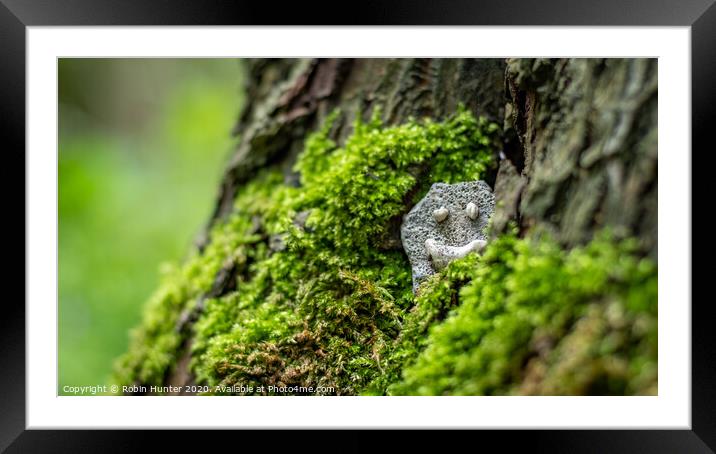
{"x": 289, "y": 98}
{"x": 588, "y": 155}
{"x": 577, "y": 148}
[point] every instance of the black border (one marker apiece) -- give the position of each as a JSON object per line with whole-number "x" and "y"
{"x": 16, "y": 15}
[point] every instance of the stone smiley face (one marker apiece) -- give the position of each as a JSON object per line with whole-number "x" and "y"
{"x": 448, "y": 223}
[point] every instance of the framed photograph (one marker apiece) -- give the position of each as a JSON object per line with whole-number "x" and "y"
{"x": 417, "y": 219}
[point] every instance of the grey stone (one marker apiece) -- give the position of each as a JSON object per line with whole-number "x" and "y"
{"x": 431, "y": 242}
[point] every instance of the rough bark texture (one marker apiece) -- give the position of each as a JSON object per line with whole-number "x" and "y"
{"x": 579, "y": 141}
{"x": 587, "y": 130}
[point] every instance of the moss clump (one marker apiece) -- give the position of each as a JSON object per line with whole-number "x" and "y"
{"x": 320, "y": 294}
{"x": 318, "y": 309}
{"x": 321, "y": 312}
{"x": 536, "y": 319}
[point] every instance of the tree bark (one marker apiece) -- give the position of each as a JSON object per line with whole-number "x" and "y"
{"x": 579, "y": 141}
{"x": 587, "y": 158}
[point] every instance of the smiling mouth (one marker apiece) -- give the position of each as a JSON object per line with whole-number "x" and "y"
{"x": 441, "y": 254}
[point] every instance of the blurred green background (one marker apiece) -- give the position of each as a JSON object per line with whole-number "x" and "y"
{"x": 142, "y": 143}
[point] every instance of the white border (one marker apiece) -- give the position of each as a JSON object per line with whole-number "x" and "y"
{"x": 671, "y": 409}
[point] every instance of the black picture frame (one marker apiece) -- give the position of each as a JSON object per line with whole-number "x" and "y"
{"x": 16, "y": 15}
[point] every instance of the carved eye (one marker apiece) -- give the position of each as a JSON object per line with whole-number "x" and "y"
{"x": 440, "y": 214}
{"x": 472, "y": 211}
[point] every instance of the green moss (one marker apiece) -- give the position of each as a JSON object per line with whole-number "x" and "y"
{"x": 536, "y": 319}
{"x": 323, "y": 299}
{"x": 322, "y": 311}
